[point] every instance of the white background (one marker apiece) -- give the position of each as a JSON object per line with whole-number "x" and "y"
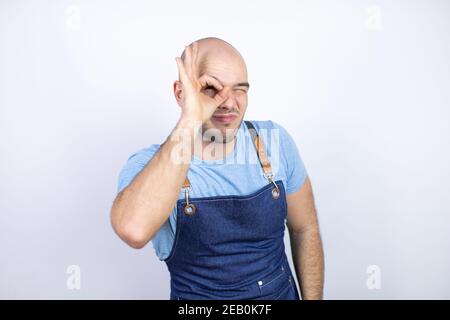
{"x": 362, "y": 86}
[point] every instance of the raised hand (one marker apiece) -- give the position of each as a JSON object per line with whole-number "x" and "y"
{"x": 201, "y": 95}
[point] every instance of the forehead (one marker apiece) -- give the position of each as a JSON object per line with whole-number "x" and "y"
{"x": 228, "y": 70}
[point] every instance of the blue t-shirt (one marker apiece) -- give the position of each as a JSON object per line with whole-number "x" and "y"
{"x": 239, "y": 173}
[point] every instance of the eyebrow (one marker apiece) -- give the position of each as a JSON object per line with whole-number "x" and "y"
{"x": 243, "y": 84}
{"x": 240, "y": 84}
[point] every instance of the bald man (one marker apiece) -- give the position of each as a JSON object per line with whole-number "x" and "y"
{"x": 216, "y": 196}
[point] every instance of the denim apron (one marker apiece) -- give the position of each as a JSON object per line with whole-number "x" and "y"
{"x": 232, "y": 247}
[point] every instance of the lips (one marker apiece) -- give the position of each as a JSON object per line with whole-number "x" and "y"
{"x": 224, "y": 118}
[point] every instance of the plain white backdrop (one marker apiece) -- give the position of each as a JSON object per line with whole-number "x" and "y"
{"x": 362, "y": 87}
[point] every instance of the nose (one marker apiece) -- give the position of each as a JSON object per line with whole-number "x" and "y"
{"x": 229, "y": 102}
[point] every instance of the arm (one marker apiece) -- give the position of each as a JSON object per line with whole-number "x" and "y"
{"x": 140, "y": 209}
{"x": 145, "y": 204}
{"x": 306, "y": 245}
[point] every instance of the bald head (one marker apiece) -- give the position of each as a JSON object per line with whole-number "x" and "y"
{"x": 214, "y": 52}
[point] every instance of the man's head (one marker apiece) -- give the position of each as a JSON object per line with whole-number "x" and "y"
{"x": 222, "y": 61}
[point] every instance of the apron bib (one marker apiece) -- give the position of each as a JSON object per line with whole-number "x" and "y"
{"x": 232, "y": 247}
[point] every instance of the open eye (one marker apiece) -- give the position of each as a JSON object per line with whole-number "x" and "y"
{"x": 210, "y": 91}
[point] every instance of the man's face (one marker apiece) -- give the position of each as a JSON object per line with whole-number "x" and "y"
{"x": 230, "y": 70}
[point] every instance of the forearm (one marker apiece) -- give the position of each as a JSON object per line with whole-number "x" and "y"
{"x": 142, "y": 207}
{"x": 308, "y": 258}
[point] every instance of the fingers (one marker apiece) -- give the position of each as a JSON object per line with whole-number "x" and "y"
{"x": 188, "y": 60}
{"x": 206, "y": 81}
{"x": 181, "y": 70}
{"x": 194, "y": 58}
{"x": 221, "y": 93}
{"x": 221, "y": 97}
{"x": 189, "y": 65}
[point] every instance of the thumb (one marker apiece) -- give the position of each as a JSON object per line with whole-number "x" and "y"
{"x": 221, "y": 97}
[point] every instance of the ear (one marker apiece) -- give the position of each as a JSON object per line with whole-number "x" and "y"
{"x": 178, "y": 92}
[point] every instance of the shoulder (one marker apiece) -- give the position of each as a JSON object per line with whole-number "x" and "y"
{"x": 277, "y": 139}
{"x": 134, "y": 164}
{"x": 144, "y": 154}
{"x": 265, "y": 127}
{"x": 262, "y": 124}
{"x": 284, "y": 154}
{"x": 139, "y": 159}
{"x": 266, "y": 124}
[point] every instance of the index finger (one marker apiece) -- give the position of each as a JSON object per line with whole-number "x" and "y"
{"x": 207, "y": 80}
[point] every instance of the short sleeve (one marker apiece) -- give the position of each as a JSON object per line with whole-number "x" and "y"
{"x": 134, "y": 165}
{"x": 292, "y": 161}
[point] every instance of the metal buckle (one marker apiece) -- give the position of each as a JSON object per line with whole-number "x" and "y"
{"x": 276, "y": 190}
{"x": 189, "y": 209}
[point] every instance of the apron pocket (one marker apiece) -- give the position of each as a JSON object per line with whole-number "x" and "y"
{"x": 270, "y": 287}
{"x": 287, "y": 294}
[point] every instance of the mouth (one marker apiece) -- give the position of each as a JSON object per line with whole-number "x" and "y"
{"x": 224, "y": 118}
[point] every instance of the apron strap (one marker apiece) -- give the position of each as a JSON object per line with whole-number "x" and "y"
{"x": 186, "y": 183}
{"x": 260, "y": 150}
